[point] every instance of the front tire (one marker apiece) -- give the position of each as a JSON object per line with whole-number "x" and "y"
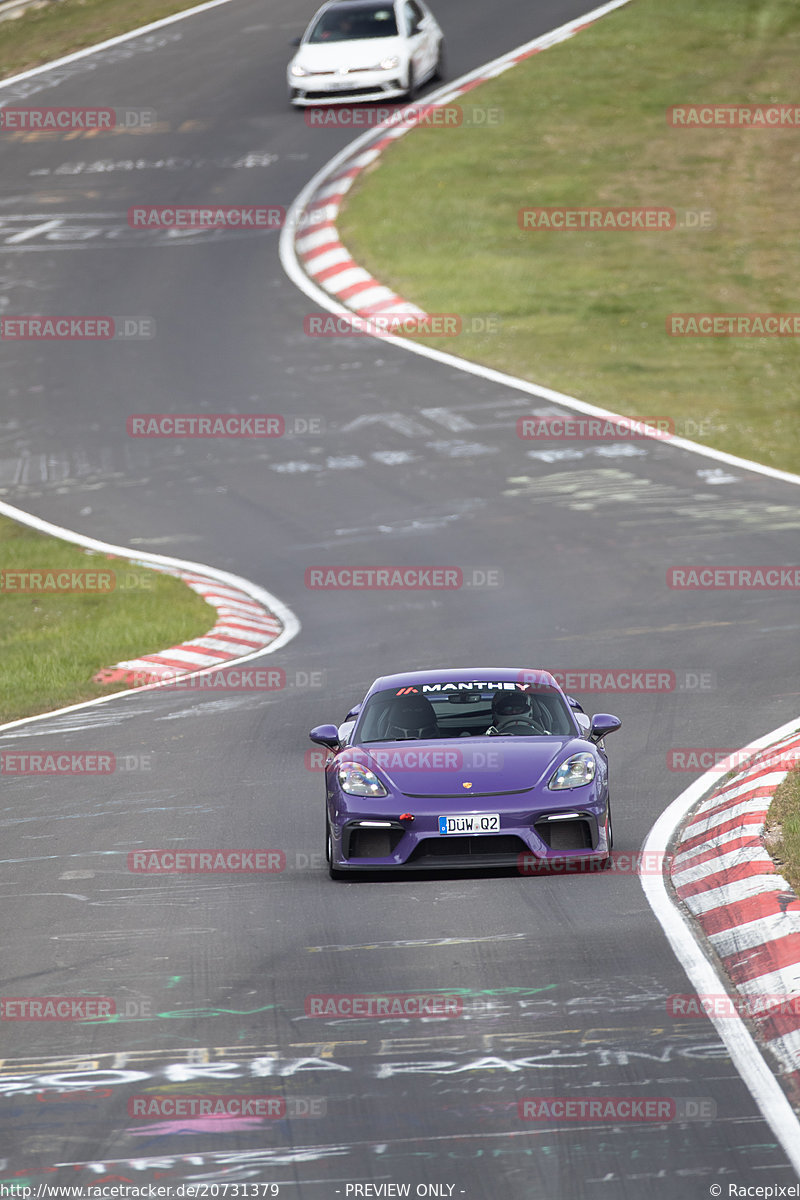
{"x": 411, "y": 87}
{"x": 440, "y": 73}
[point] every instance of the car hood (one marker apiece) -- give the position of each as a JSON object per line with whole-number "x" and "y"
{"x": 492, "y": 765}
{"x": 367, "y": 52}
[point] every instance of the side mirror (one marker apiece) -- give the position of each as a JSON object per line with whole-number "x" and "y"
{"x": 325, "y": 735}
{"x": 573, "y": 703}
{"x": 295, "y": 41}
{"x": 354, "y": 711}
{"x": 603, "y": 724}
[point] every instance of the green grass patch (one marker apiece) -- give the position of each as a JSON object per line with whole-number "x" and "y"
{"x": 783, "y": 829}
{"x": 40, "y": 35}
{"x": 51, "y": 644}
{"x": 584, "y": 123}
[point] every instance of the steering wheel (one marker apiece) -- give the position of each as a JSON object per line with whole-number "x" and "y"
{"x": 521, "y": 726}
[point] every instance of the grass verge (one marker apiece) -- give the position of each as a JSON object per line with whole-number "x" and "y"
{"x": 40, "y": 35}
{"x": 582, "y": 124}
{"x": 51, "y": 644}
{"x": 783, "y": 829}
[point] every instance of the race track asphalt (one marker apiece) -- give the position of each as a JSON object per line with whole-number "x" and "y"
{"x": 564, "y": 980}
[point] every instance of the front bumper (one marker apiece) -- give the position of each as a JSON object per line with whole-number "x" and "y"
{"x": 361, "y": 88}
{"x": 371, "y": 841}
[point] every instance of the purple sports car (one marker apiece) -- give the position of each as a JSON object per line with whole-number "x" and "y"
{"x": 465, "y": 768}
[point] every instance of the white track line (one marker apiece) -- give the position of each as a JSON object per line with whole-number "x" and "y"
{"x": 291, "y": 625}
{"x": 298, "y": 276}
{"x": 757, "y": 1075}
{"x": 745, "y": 1054}
{"x": 106, "y": 45}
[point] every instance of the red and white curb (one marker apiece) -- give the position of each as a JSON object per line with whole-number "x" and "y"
{"x": 317, "y": 246}
{"x": 251, "y": 621}
{"x": 243, "y": 626}
{"x": 726, "y": 879}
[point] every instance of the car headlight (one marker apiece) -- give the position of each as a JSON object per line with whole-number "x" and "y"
{"x": 297, "y": 70}
{"x": 360, "y": 781}
{"x": 389, "y": 64}
{"x": 574, "y": 772}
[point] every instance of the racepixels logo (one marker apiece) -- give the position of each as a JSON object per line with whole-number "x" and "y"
{"x": 445, "y": 116}
{"x": 734, "y": 116}
{"x": 55, "y": 1008}
{"x": 70, "y": 120}
{"x": 740, "y": 578}
{"x": 392, "y": 324}
{"x": 616, "y": 1108}
{"x": 76, "y": 329}
{"x": 204, "y": 216}
{"x": 642, "y": 863}
{"x": 359, "y": 1006}
{"x": 188, "y": 862}
{"x": 709, "y": 758}
{"x": 710, "y": 1004}
{"x": 269, "y": 1107}
{"x": 205, "y": 425}
{"x": 565, "y": 428}
{"x": 745, "y": 325}
{"x": 14, "y": 762}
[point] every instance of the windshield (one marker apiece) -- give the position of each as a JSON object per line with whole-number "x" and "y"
{"x": 450, "y": 710}
{"x": 354, "y": 22}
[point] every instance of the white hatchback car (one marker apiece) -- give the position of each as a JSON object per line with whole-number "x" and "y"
{"x": 360, "y": 50}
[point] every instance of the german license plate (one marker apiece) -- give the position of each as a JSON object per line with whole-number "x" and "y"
{"x": 470, "y": 823}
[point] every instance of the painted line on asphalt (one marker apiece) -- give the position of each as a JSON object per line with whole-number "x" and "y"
{"x": 296, "y": 273}
{"x": 55, "y": 63}
{"x": 291, "y": 624}
{"x": 756, "y": 1074}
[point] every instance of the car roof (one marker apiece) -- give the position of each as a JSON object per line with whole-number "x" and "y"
{"x": 356, "y": 4}
{"x": 467, "y": 675}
